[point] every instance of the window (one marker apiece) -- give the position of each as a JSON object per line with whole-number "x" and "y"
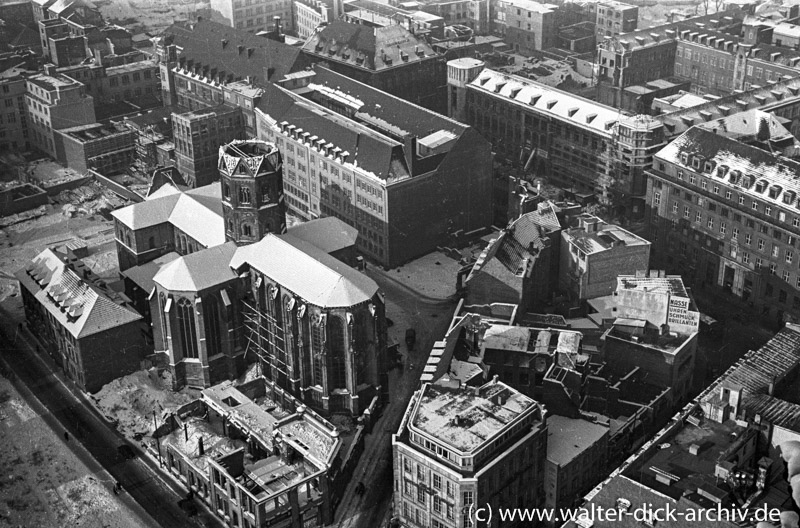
{"x": 754, "y": 205}
{"x": 657, "y": 198}
{"x": 772, "y": 268}
{"x": 421, "y": 494}
{"x": 746, "y": 258}
{"x": 437, "y": 481}
{"x": 711, "y": 223}
{"x": 187, "y": 328}
{"x": 741, "y": 200}
{"x": 767, "y": 210}
{"x": 716, "y": 189}
{"x": 421, "y": 474}
{"x": 759, "y": 263}
{"x": 786, "y": 276}
{"x": 698, "y": 217}
{"x": 735, "y": 234}
{"x": 686, "y": 211}
{"x": 761, "y": 244}
{"x": 244, "y": 195}
{"x": 775, "y": 250}
{"x": 675, "y": 207}
{"x": 782, "y": 296}
{"x": 728, "y": 195}
{"x": 722, "y": 228}
{"x": 748, "y": 238}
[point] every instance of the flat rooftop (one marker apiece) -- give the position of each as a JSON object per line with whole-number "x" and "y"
{"x": 52, "y": 82}
{"x": 672, "y": 284}
{"x": 524, "y": 339}
{"x": 92, "y": 132}
{"x": 672, "y": 458}
{"x": 567, "y": 438}
{"x": 467, "y": 418}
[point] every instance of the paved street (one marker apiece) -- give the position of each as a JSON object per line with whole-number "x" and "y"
{"x": 65, "y": 411}
{"x": 430, "y": 318}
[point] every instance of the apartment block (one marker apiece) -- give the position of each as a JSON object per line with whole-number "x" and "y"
{"x": 614, "y": 18}
{"x": 458, "y": 448}
{"x": 379, "y": 163}
{"x": 594, "y": 253}
{"x": 54, "y": 102}
{"x": 103, "y": 148}
{"x": 93, "y": 335}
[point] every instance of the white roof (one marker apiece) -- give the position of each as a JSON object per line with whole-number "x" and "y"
{"x": 307, "y": 271}
{"x": 579, "y": 111}
{"x": 197, "y": 212}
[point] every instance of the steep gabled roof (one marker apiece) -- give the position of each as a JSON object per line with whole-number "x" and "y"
{"x": 307, "y": 271}
{"x": 82, "y": 308}
{"x": 197, "y": 212}
{"x": 368, "y": 48}
{"x": 202, "y": 42}
{"x": 198, "y": 271}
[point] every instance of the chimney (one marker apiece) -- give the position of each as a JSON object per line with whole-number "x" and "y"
{"x": 771, "y": 387}
{"x": 185, "y": 431}
{"x": 200, "y": 446}
{"x": 277, "y": 20}
{"x": 224, "y": 43}
{"x": 240, "y": 48}
{"x": 249, "y": 52}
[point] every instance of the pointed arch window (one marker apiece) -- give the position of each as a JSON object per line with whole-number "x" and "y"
{"x": 337, "y": 369}
{"x": 187, "y": 328}
{"x": 212, "y": 325}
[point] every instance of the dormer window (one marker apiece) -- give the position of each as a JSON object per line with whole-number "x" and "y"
{"x": 709, "y": 166}
{"x": 684, "y": 158}
{"x": 761, "y": 186}
{"x": 696, "y": 162}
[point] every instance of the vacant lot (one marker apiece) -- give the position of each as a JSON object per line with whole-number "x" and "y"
{"x": 43, "y": 483}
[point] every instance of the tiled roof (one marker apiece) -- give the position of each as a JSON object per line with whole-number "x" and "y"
{"x": 728, "y": 156}
{"x": 779, "y": 357}
{"x": 366, "y": 47}
{"x": 198, "y": 271}
{"x": 368, "y": 149}
{"x": 83, "y": 309}
{"x": 512, "y": 253}
{"x": 307, "y": 271}
{"x": 202, "y": 42}
{"x": 550, "y": 101}
{"x": 328, "y": 234}
{"x": 197, "y": 212}
{"x": 775, "y": 94}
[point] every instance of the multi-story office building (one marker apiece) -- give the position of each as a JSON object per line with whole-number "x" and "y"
{"x": 389, "y": 58}
{"x": 104, "y": 148}
{"x": 14, "y": 132}
{"x": 198, "y": 60}
{"x": 614, "y": 18}
{"x": 94, "y": 337}
{"x": 577, "y": 453}
{"x": 254, "y": 15}
{"x": 54, "y": 102}
{"x": 379, "y": 163}
{"x": 723, "y": 197}
{"x": 594, "y": 253}
{"x": 308, "y": 15}
{"x": 628, "y": 60}
{"x": 526, "y": 25}
{"x": 458, "y": 448}
{"x": 198, "y": 134}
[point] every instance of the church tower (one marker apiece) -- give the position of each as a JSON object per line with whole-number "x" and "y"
{"x": 251, "y": 175}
